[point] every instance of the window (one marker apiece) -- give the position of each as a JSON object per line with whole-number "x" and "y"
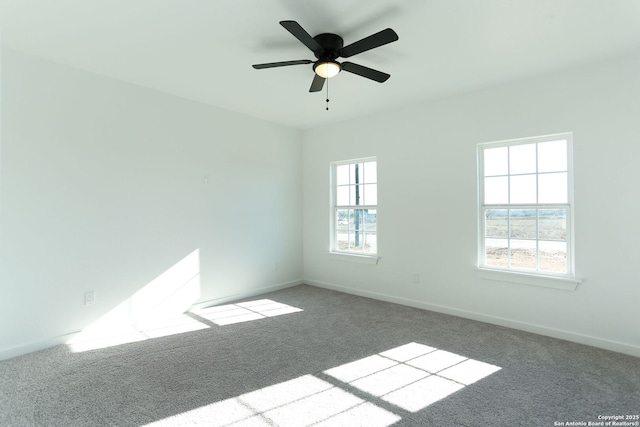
{"x": 525, "y": 205}
{"x": 355, "y": 207}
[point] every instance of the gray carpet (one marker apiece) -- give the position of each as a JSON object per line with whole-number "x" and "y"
{"x": 289, "y": 370}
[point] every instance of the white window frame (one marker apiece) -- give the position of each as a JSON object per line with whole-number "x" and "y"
{"x": 346, "y": 255}
{"x": 528, "y": 276}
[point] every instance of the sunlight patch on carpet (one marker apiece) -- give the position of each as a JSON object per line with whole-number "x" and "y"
{"x": 412, "y": 376}
{"x": 115, "y": 328}
{"x": 299, "y": 402}
{"x": 409, "y": 377}
{"x": 230, "y": 314}
{"x": 144, "y": 330}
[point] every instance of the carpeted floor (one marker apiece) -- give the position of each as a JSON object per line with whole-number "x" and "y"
{"x": 309, "y": 356}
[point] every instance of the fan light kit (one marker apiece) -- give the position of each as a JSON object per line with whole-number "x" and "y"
{"x": 328, "y": 69}
{"x": 327, "y": 48}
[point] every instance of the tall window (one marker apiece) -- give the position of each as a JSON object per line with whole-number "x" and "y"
{"x": 525, "y": 196}
{"x": 355, "y": 206}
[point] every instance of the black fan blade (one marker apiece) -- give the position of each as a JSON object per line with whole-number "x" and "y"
{"x": 298, "y": 32}
{"x": 367, "y": 72}
{"x": 375, "y": 40}
{"x": 281, "y": 64}
{"x": 317, "y": 84}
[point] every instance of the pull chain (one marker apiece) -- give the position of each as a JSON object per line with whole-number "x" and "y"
{"x": 327, "y": 94}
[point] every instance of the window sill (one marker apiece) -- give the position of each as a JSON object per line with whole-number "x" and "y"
{"x": 362, "y": 259}
{"x": 562, "y": 283}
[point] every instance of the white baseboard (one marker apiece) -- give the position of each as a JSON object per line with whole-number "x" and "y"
{"x": 246, "y": 294}
{"x": 620, "y": 347}
{"x": 45, "y": 343}
{"x": 33, "y": 346}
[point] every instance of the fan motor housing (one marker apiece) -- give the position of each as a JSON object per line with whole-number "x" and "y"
{"x": 331, "y": 44}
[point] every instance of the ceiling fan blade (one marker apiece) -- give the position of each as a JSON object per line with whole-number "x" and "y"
{"x": 298, "y": 32}
{"x": 317, "y": 84}
{"x": 367, "y": 72}
{"x": 281, "y": 64}
{"x": 375, "y": 40}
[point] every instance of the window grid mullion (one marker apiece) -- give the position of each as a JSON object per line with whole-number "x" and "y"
{"x": 350, "y": 208}
{"x": 565, "y": 229}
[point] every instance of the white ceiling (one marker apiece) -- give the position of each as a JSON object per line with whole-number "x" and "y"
{"x": 204, "y": 49}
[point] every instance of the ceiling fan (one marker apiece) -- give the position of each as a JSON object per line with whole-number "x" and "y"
{"x": 327, "y": 48}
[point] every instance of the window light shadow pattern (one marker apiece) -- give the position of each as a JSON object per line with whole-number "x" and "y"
{"x": 229, "y": 314}
{"x": 303, "y": 401}
{"x": 409, "y": 377}
{"x": 412, "y": 376}
{"x": 158, "y": 310}
{"x": 155, "y": 310}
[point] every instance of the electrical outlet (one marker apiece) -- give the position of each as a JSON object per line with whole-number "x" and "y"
{"x": 415, "y": 278}
{"x": 276, "y": 266}
{"x": 89, "y": 298}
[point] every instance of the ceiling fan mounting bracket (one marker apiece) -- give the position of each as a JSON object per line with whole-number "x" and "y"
{"x": 331, "y": 45}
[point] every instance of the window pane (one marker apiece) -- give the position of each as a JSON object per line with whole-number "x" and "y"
{"x": 351, "y": 219}
{"x": 355, "y": 228}
{"x": 552, "y": 156}
{"x": 496, "y": 252}
{"x": 356, "y": 240}
{"x": 553, "y": 188}
{"x": 523, "y": 189}
{"x": 342, "y": 241}
{"x": 342, "y": 175}
{"x": 552, "y": 224}
{"x": 342, "y": 195}
{"x": 355, "y": 197}
{"x": 370, "y": 219}
{"x": 370, "y": 243}
{"x": 353, "y": 246}
{"x": 496, "y": 223}
{"x": 525, "y": 205}
{"x": 553, "y": 256}
{"x": 357, "y": 219}
{"x": 496, "y": 190}
{"x": 370, "y": 172}
{"x": 342, "y": 219}
{"x": 523, "y": 223}
{"x": 370, "y": 194}
{"x": 495, "y": 161}
{"x": 522, "y": 159}
{"x": 523, "y": 254}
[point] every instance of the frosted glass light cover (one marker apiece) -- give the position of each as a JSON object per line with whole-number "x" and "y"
{"x": 327, "y": 70}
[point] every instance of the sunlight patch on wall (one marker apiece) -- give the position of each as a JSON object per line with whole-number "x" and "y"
{"x": 299, "y": 402}
{"x": 412, "y": 376}
{"x": 245, "y": 311}
{"x": 155, "y": 310}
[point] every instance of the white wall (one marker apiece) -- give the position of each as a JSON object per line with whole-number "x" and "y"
{"x": 103, "y": 190}
{"x": 427, "y": 203}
